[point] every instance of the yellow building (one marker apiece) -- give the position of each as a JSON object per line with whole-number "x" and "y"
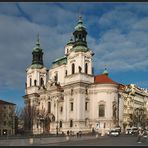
{"x": 135, "y": 101}
{"x": 7, "y": 118}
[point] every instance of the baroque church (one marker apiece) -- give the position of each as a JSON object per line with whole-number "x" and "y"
{"x": 68, "y": 96}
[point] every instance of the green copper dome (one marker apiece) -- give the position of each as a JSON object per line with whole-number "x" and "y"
{"x": 36, "y": 66}
{"x": 80, "y": 25}
{"x": 37, "y": 53}
{"x": 80, "y": 49}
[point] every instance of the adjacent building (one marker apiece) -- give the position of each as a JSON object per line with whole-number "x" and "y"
{"x": 69, "y": 96}
{"x": 135, "y": 101}
{"x": 7, "y": 118}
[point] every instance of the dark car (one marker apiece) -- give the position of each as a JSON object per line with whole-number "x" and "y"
{"x": 113, "y": 132}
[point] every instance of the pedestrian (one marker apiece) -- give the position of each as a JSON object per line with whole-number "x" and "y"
{"x": 93, "y": 131}
{"x": 77, "y": 134}
{"x": 140, "y": 134}
{"x": 80, "y": 133}
{"x": 68, "y": 133}
{"x": 144, "y": 135}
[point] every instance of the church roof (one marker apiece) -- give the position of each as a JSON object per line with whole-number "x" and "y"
{"x": 103, "y": 79}
{"x": 80, "y": 25}
{"x": 60, "y": 61}
{"x": 80, "y": 49}
{"x": 36, "y": 66}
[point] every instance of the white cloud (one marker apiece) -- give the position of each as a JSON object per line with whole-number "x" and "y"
{"x": 122, "y": 44}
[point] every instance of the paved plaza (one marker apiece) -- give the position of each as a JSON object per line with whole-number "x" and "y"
{"x": 122, "y": 140}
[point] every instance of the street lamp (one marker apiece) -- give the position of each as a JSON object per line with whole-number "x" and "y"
{"x": 57, "y": 119}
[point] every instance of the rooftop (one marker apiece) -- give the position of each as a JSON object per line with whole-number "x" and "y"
{"x": 5, "y": 102}
{"x": 104, "y": 79}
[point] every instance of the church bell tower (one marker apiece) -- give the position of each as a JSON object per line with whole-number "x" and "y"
{"x": 36, "y": 73}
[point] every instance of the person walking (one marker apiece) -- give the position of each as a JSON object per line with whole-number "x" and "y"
{"x": 140, "y": 134}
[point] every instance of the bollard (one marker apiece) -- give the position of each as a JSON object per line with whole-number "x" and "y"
{"x": 96, "y": 135}
{"x": 30, "y": 140}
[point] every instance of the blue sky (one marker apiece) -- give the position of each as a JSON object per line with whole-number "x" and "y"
{"x": 117, "y": 33}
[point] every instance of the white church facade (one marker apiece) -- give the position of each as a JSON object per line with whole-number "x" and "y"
{"x": 68, "y": 96}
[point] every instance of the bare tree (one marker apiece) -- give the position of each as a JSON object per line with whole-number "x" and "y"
{"x": 28, "y": 115}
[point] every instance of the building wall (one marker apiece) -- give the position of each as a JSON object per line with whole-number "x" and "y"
{"x": 7, "y": 119}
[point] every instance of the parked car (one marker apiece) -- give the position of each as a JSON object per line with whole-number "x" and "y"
{"x": 113, "y": 132}
{"x": 132, "y": 131}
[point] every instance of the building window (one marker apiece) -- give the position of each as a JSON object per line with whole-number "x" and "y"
{"x": 71, "y": 92}
{"x": 114, "y": 108}
{"x": 73, "y": 68}
{"x": 79, "y": 36}
{"x": 41, "y": 81}
{"x": 37, "y": 125}
{"x": 86, "y": 106}
{"x": 61, "y": 109}
{"x": 101, "y": 110}
{"x": 86, "y": 91}
{"x": 65, "y": 72}
{"x": 49, "y": 107}
{"x": 71, "y": 123}
{"x": 104, "y": 125}
{"x": 86, "y": 68}
{"x": 30, "y": 82}
{"x": 56, "y": 77}
{"x": 60, "y": 124}
{"x": 35, "y": 82}
{"x": 76, "y": 38}
{"x": 71, "y": 106}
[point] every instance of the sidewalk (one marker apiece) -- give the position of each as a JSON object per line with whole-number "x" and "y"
{"x": 42, "y": 141}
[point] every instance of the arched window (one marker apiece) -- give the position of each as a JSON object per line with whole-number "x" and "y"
{"x": 61, "y": 109}
{"x": 76, "y": 38}
{"x": 114, "y": 108}
{"x": 83, "y": 38}
{"x": 30, "y": 82}
{"x": 71, "y": 106}
{"x": 65, "y": 72}
{"x": 41, "y": 81}
{"x": 101, "y": 110}
{"x": 49, "y": 107}
{"x": 56, "y": 77}
{"x": 60, "y": 124}
{"x": 80, "y": 36}
{"x": 86, "y": 91}
{"x": 71, "y": 92}
{"x": 86, "y": 106}
{"x": 35, "y": 82}
{"x": 73, "y": 68}
{"x": 86, "y": 68}
{"x": 71, "y": 123}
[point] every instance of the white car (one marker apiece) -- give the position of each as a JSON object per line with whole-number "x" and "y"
{"x": 132, "y": 131}
{"x": 113, "y": 132}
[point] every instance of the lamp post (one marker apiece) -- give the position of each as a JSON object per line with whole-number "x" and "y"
{"x": 57, "y": 120}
